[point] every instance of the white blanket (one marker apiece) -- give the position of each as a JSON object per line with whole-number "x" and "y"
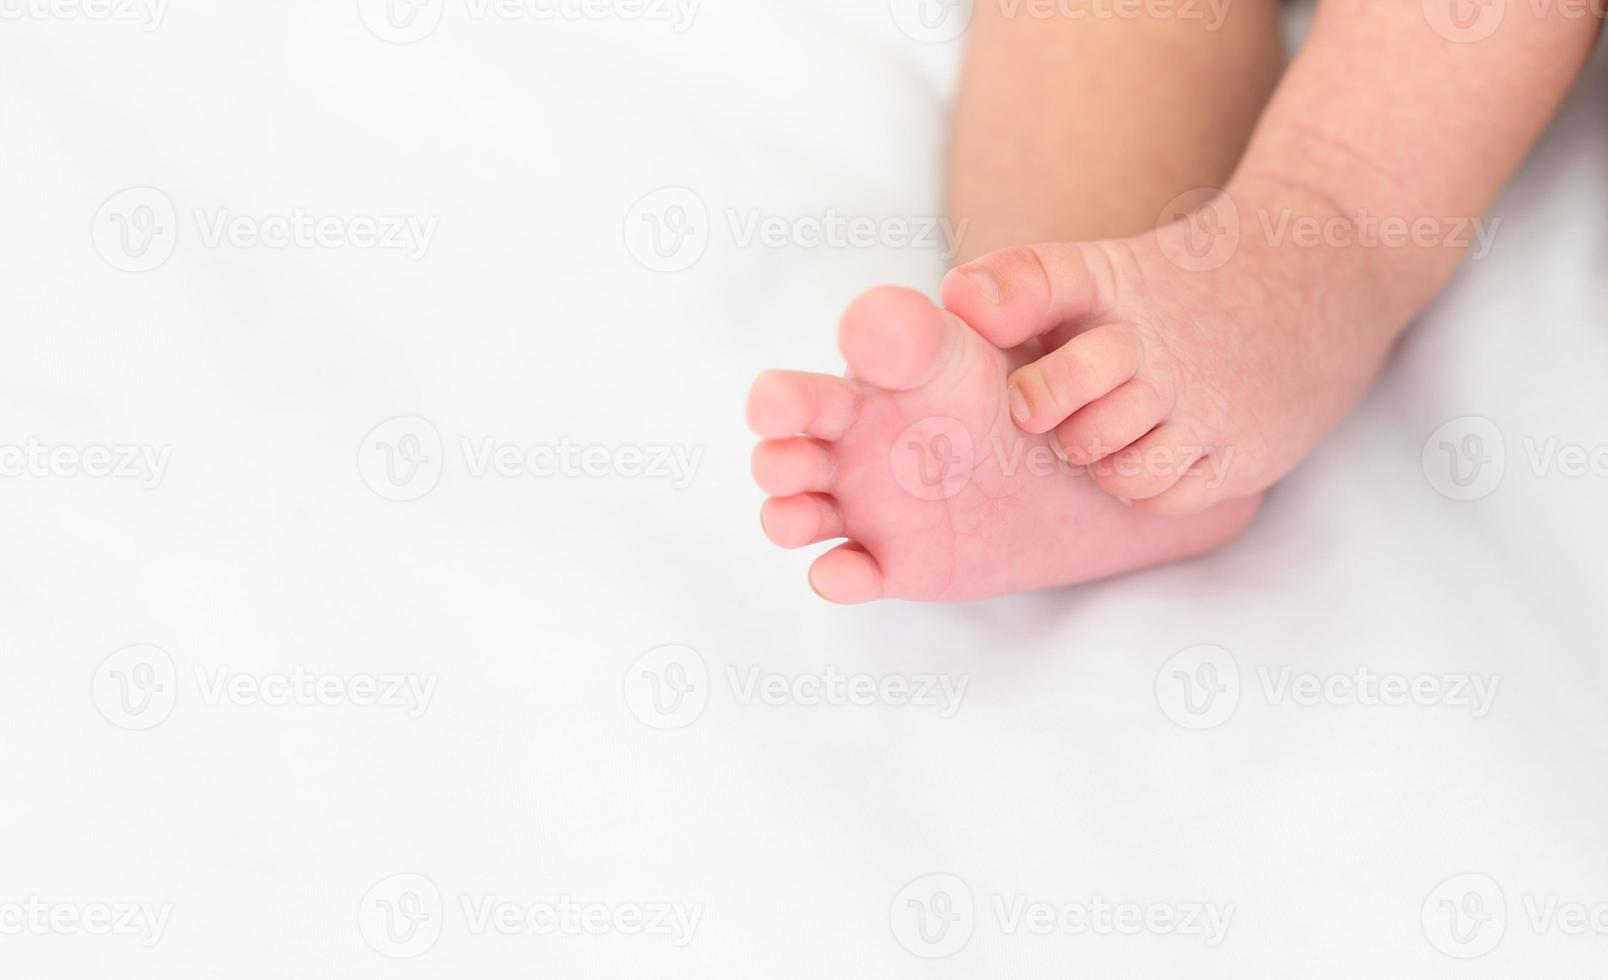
{"x": 384, "y": 595}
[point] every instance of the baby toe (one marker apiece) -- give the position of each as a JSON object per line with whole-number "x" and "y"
{"x": 784, "y": 467}
{"x": 1112, "y": 422}
{"x": 896, "y": 339}
{"x": 1089, "y": 366}
{"x": 1150, "y": 466}
{"x": 847, "y": 575}
{"x": 1015, "y": 294}
{"x": 803, "y": 519}
{"x": 790, "y": 403}
{"x": 1198, "y": 490}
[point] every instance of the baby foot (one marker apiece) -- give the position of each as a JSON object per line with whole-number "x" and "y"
{"x": 914, "y": 459}
{"x": 1181, "y": 376}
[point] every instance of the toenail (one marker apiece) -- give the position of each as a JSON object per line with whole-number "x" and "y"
{"x": 985, "y": 284}
{"x": 1019, "y": 405}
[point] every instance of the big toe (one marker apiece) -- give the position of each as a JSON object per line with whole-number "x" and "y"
{"x": 896, "y": 339}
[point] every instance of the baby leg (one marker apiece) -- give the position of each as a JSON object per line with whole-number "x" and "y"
{"x": 1084, "y": 125}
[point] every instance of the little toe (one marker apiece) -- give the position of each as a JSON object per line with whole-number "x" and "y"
{"x": 1198, "y": 490}
{"x": 793, "y": 522}
{"x": 847, "y": 575}
{"x": 1112, "y": 422}
{"x": 896, "y": 339}
{"x": 1088, "y": 366}
{"x": 784, "y": 467}
{"x": 790, "y": 403}
{"x": 1150, "y": 466}
{"x": 1016, "y": 294}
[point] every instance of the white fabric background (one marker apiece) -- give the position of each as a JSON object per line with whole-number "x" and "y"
{"x": 529, "y": 321}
